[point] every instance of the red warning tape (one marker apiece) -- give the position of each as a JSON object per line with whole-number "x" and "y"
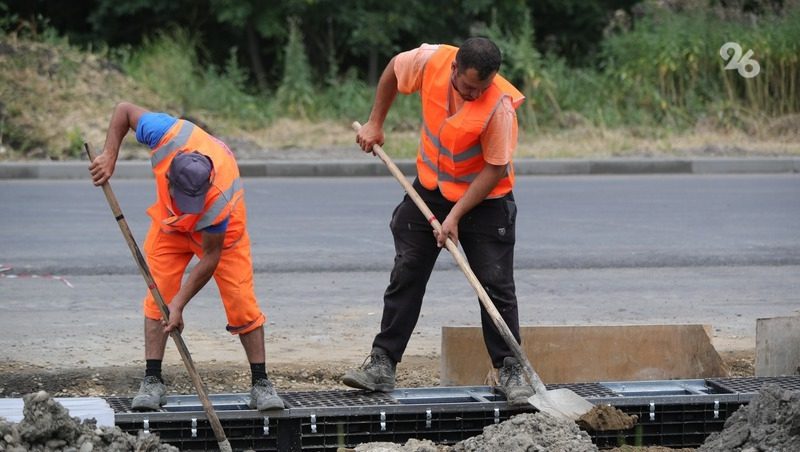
{"x": 4, "y": 269}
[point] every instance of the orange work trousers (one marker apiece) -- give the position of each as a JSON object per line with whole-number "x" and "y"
{"x": 168, "y": 254}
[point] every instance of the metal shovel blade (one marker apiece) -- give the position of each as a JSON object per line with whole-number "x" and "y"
{"x": 561, "y": 403}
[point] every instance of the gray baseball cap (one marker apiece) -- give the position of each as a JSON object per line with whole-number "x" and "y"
{"x": 190, "y": 177}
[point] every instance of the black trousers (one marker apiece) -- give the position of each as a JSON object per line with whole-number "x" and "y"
{"x": 486, "y": 234}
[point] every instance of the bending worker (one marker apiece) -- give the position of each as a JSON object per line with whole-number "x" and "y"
{"x": 465, "y": 176}
{"x": 199, "y": 211}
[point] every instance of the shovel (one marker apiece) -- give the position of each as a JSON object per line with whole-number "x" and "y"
{"x": 560, "y": 403}
{"x": 213, "y": 420}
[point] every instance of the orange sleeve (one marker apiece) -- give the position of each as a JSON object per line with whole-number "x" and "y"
{"x": 499, "y": 140}
{"x": 408, "y": 67}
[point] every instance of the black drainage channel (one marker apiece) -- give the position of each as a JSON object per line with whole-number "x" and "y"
{"x": 673, "y": 413}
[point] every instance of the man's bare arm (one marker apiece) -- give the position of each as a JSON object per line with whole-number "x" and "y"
{"x": 125, "y": 117}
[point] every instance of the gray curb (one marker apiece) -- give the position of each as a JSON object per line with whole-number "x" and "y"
{"x": 373, "y": 167}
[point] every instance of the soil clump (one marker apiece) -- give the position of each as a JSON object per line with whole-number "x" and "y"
{"x": 605, "y": 417}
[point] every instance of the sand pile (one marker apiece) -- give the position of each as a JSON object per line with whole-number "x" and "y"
{"x": 770, "y": 422}
{"x": 47, "y": 426}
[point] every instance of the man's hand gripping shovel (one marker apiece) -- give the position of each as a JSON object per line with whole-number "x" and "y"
{"x": 560, "y": 403}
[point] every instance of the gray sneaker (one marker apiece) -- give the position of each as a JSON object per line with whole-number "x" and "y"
{"x": 263, "y": 396}
{"x": 513, "y": 383}
{"x": 152, "y": 394}
{"x": 377, "y": 373}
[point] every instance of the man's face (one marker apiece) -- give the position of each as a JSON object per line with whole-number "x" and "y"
{"x": 468, "y": 85}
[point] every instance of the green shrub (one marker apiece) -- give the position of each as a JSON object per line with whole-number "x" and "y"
{"x": 169, "y": 65}
{"x": 295, "y": 95}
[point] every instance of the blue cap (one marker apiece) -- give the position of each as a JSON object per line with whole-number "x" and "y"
{"x": 190, "y": 177}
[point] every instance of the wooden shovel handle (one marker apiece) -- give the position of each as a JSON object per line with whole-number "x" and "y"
{"x": 216, "y": 426}
{"x": 487, "y": 303}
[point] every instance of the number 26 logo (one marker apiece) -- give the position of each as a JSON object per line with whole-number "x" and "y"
{"x": 747, "y": 68}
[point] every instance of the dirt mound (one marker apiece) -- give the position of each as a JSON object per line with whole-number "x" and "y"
{"x": 770, "y": 422}
{"x": 54, "y": 96}
{"x": 46, "y": 425}
{"x": 606, "y": 417}
{"x": 530, "y": 432}
{"x": 412, "y": 445}
{"x": 523, "y": 432}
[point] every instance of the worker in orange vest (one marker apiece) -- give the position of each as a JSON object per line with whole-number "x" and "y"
{"x": 465, "y": 175}
{"x": 199, "y": 211}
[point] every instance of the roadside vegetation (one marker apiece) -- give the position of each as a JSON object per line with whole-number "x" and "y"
{"x": 652, "y": 83}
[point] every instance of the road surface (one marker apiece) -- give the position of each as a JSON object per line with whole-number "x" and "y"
{"x": 720, "y": 250}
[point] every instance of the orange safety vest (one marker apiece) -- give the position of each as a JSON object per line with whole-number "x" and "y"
{"x": 225, "y": 198}
{"x": 450, "y": 154}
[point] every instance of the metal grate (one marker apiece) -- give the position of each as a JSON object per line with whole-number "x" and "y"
{"x": 335, "y": 399}
{"x": 586, "y": 390}
{"x": 754, "y": 384}
{"x": 120, "y": 404}
{"x": 315, "y": 399}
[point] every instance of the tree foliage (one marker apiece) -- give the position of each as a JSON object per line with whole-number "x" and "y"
{"x": 338, "y": 36}
{"x": 606, "y": 62}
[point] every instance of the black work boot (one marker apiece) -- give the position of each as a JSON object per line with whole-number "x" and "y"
{"x": 152, "y": 394}
{"x": 513, "y": 383}
{"x": 376, "y": 374}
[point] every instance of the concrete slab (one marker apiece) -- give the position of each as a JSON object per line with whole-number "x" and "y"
{"x": 778, "y": 346}
{"x": 579, "y": 354}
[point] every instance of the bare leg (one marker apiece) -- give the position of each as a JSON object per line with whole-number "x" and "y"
{"x": 253, "y": 343}
{"x": 155, "y": 339}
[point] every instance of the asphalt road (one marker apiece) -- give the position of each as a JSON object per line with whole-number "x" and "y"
{"x": 722, "y": 250}
{"x": 338, "y": 224}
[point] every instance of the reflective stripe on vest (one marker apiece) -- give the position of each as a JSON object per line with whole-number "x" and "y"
{"x": 474, "y": 151}
{"x": 219, "y": 205}
{"x": 444, "y": 176}
{"x": 173, "y": 145}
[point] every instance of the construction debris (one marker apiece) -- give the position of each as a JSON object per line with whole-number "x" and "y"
{"x": 47, "y": 426}
{"x": 770, "y": 422}
{"x": 523, "y": 432}
{"x": 530, "y": 432}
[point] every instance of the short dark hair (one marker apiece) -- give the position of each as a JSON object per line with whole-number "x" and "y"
{"x": 480, "y": 54}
